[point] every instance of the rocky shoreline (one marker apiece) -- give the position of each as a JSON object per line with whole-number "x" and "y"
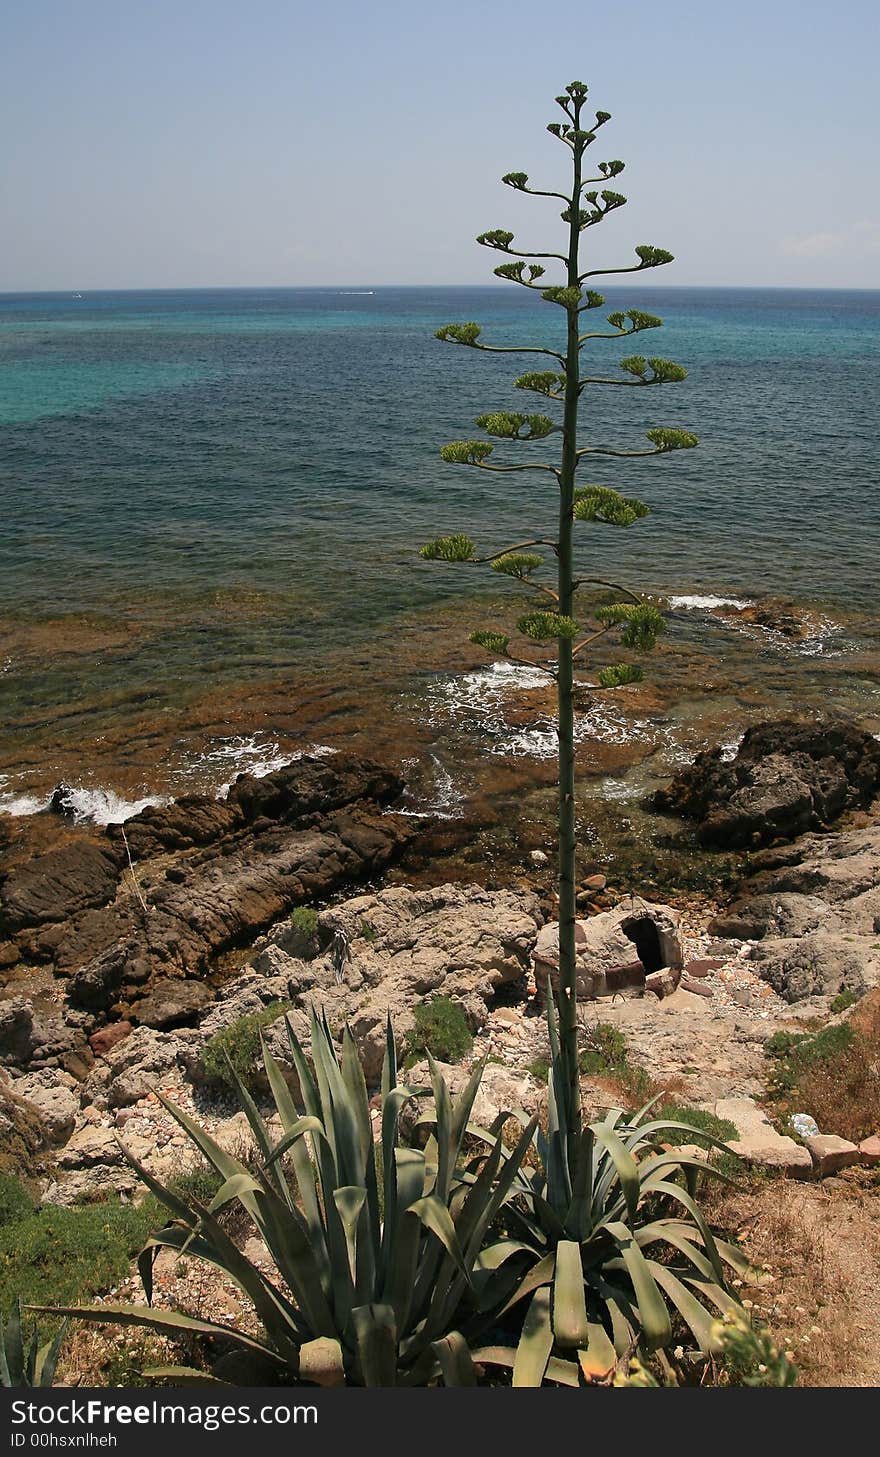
{"x": 122, "y": 954}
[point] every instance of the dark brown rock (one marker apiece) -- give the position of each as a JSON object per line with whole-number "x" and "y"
{"x": 786, "y": 778}
{"x": 107, "y": 1037}
{"x": 57, "y": 885}
{"x": 171, "y": 1002}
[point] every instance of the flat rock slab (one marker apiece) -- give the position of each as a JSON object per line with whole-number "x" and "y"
{"x": 758, "y": 1141}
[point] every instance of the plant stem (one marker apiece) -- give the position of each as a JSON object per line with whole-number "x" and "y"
{"x": 565, "y": 680}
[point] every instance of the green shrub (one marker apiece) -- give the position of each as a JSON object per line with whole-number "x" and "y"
{"x": 713, "y": 1128}
{"x": 369, "y": 932}
{"x": 844, "y": 1000}
{"x": 539, "y": 1069}
{"x": 56, "y": 1256}
{"x": 238, "y": 1044}
{"x": 305, "y": 920}
{"x": 440, "y": 1028}
{"x": 605, "y": 1052}
{"x": 15, "y": 1201}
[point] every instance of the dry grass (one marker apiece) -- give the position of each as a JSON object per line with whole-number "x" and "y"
{"x": 843, "y": 1093}
{"x": 819, "y": 1245}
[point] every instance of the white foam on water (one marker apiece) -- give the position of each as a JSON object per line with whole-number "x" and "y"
{"x": 697, "y": 602}
{"x": 105, "y": 806}
{"x": 257, "y": 754}
{"x": 444, "y": 802}
{"x": 96, "y": 806}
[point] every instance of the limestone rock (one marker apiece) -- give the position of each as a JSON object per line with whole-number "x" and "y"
{"x": 821, "y": 964}
{"x": 90, "y": 1145}
{"x": 759, "y": 1142}
{"x": 616, "y": 949}
{"x": 869, "y": 1151}
{"x": 52, "y": 1093}
{"x": 829, "y": 1153}
{"x": 24, "y": 1137}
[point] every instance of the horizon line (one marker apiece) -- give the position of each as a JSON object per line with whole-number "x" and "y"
{"x": 365, "y": 288}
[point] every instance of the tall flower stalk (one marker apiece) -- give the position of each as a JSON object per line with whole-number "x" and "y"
{"x": 553, "y": 629}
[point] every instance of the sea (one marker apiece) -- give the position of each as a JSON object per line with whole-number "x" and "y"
{"x": 213, "y": 500}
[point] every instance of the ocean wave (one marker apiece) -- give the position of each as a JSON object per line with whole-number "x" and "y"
{"x": 96, "y": 805}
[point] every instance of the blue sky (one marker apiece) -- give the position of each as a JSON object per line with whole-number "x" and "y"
{"x": 203, "y": 144}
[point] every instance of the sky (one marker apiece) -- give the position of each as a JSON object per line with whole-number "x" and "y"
{"x": 209, "y": 143}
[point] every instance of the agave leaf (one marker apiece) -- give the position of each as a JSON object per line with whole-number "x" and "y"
{"x": 719, "y": 1297}
{"x": 689, "y": 1308}
{"x": 350, "y": 1200}
{"x": 653, "y": 1314}
{"x": 274, "y": 1311}
{"x": 536, "y": 1341}
{"x": 455, "y": 1360}
{"x": 320, "y": 1361}
{"x": 624, "y": 1165}
{"x": 353, "y": 1076}
{"x": 436, "y": 1217}
{"x": 664, "y": 1232}
{"x": 184, "y": 1376}
{"x": 163, "y": 1321}
{"x": 599, "y": 1358}
{"x": 564, "y": 1373}
{"x": 389, "y": 1062}
{"x": 299, "y": 1129}
{"x": 402, "y": 1267}
{"x": 538, "y": 1276}
{"x": 11, "y": 1347}
{"x": 444, "y": 1122}
{"x": 680, "y": 1196}
{"x": 461, "y": 1109}
{"x": 251, "y": 1112}
{"x": 569, "y": 1301}
{"x": 376, "y": 1336}
{"x": 308, "y": 1088}
{"x": 303, "y": 1168}
{"x": 234, "y": 1188}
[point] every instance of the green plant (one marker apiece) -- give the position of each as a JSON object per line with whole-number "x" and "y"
{"x": 619, "y": 1244}
{"x": 57, "y": 1255}
{"x": 26, "y": 1363}
{"x": 792, "y": 1053}
{"x": 370, "y": 1294}
{"x": 15, "y": 1201}
{"x": 539, "y": 1069}
{"x": 556, "y": 629}
{"x": 706, "y": 1130}
{"x": 440, "y": 1028}
{"x": 369, "y": 932}
{"x": 843, "y": 1001}
{"x": 305, "y": 920}
{"x": 748, "y": 1355}
{"x": 606, "y": 1056}
{"x": 237, "y": 1047}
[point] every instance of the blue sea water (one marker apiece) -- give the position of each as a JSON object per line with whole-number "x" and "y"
{"x": 276, "y": 452}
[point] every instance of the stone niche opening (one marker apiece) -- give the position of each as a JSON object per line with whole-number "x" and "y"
{"x": 646, "y": 937}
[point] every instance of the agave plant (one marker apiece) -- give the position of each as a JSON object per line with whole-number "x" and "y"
{"x": 387, "y": 1270}
{"x": 619, "y": 1246}
{"x": 26, "y": 1364}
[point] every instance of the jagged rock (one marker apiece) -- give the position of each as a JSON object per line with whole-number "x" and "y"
{"x": 393, "y": 950}
{"x": 785, "y": 779}
{"x": 132, "y": 1068}
{"x": 782, "y": 913}
{"x": 605, "y": 944}
{"x": 869, "y": 1151}
{"x": 171, "y": 1002}
{"x": 822, "y": 964}
{"x": 36, "y": 1036}
{"x": 295, "y": 836}
{"x": 57, "y": 885}
{"x": 830, "y": 1153}
{"x": 90, "y": 1145}
{"x": 91, "y": 1184}
{"x": 108, "y": 1037}
{"x": 758, "y": 1141}
{"x": 55, "y": 1096}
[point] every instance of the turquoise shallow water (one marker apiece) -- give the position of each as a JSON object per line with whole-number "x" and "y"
{"x": 250, "y": 472}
